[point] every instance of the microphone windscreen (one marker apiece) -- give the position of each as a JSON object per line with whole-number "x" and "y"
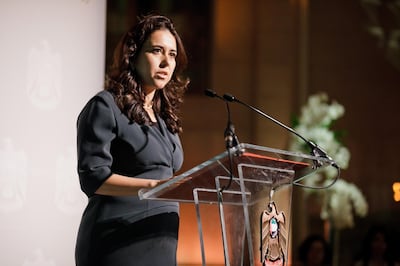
{"x": 229, "y": 97}
{"x": 210, "y": 93}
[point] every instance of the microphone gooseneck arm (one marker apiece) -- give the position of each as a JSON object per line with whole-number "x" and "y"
{"x": 231, "y": 98}
{"x": 315, "y": 149}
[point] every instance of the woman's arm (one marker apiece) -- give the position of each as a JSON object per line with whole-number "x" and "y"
{"x": 119, "y": 185}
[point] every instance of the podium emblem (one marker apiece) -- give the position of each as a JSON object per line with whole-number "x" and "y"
{"x": 272, "y": 239}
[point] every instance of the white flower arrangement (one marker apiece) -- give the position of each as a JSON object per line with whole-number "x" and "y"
{"x": 343, "y": 200}
{"x": 339, "y": 203}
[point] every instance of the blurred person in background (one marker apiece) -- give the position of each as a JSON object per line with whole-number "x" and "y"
{"x": 376, "y": 249}
{"x": 314, "y": 251}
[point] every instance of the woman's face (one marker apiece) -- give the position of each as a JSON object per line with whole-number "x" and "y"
{"x": 156, "y": 61}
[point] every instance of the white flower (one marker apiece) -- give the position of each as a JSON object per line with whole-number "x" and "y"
{"x": 342, "y": 157}
{"x": 343, "y": 200}
{"x": 319, "y": 112}
{"x": 335, "y": 111}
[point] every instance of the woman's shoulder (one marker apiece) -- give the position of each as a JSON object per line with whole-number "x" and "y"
{"x": 104, "y": 95}
{"x": 100, "y": 103}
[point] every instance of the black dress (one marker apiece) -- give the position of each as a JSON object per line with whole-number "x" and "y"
{"x": 124, "y": 230}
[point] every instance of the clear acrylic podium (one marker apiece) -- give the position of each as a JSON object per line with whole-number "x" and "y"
{"x": 252, "y": 187}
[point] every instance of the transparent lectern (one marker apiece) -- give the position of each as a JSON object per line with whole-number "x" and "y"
{"x": 252, "y": 187}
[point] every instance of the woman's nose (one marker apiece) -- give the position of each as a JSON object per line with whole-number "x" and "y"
{"x": 164, "y": 63}
{"x": 166, "y": 60}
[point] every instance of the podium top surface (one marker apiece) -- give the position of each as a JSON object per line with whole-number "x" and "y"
{"x": 258, "y": 166}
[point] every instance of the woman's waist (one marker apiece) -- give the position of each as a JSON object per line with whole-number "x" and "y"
{"x": 127, "y": 208}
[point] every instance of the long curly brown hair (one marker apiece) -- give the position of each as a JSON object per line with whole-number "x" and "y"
{"x": 122, "y": 80}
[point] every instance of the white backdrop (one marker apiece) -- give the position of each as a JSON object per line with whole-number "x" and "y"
{"x": 52, "y": 55}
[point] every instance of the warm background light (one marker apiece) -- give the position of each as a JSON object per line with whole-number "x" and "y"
{"x": 396, "y": 191}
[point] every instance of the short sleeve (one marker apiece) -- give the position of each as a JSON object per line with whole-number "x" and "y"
{"x": 95, "y": 131}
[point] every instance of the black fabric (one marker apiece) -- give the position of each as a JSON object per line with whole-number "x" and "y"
{"x": 151, "y": 241}
{"x": 109, "y": 143}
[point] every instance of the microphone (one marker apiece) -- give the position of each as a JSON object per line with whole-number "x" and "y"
{"x": 315, "y": 149}
{"x": 211, "y": 93}
{"x": 231, "y": 140}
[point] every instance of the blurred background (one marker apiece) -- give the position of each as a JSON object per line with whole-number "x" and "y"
{"x": 272, "y": 54}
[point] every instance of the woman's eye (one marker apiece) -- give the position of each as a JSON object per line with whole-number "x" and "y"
{"x": 173, "y": 54}
{"x": 156, "y": 50}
